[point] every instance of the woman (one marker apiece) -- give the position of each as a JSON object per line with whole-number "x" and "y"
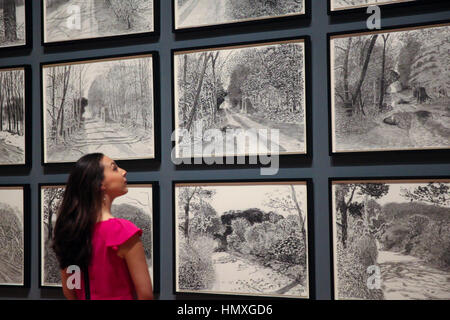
{"x": 86, "y": 234}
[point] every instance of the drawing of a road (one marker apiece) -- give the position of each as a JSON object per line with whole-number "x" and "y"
{"x": 206, "y": 11}
{"x": 407, "y": 277}
{"x": 265, "y": 144}
{"x": 107, "y": 138}
{"x": 235, "y": 274}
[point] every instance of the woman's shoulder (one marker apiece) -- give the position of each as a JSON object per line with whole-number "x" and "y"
{"x": 119, "y": 230}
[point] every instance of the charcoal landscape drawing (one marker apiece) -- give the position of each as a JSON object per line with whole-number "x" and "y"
{"x": 238, "y": 89}
{"x": 12, "y": 116}
{"x": 196, "y": 13}
{"x": 391, "y": 239}
{"x": 12, "y": 255}
{"x": 391, "y": 90}
{"x": 135, "y": 206}
{"x": 12, "y": 23}
{"x": 99, "y": 106}
{"x": 86, "y": 19}
{"x": 350, "y": 4}
{"x": 242, "y": 239}
{"x": 51, "y": 197}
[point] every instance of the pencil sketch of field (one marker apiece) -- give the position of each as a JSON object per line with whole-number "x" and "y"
{"x": 392, "y": 239}
{"x": 350, "y": 4}
{"x": 197, "y": 13}
{"x": 12, "y": 116}
{"x": 137, "y": 206}
{"x": 85, "y": 19}
{"x": 391, "y": 90}
{"x": 51, "y": 197}
{"x": 99, "y": 106}
{"x": 242, "y": 239}
{"x": 12, "y": 256}
{"x": 239, "y": 89}
{"x": 12, "y": 23}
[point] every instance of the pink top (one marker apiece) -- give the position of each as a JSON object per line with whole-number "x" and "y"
{"x": 109, "y": 278}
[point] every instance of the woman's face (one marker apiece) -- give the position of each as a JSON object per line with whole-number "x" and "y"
{"x": 114, "y": 182}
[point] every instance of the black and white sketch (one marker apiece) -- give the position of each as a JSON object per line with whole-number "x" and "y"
{"x": 12, "y": 116}
{"x": 50, "y": 197}
{"x": 390, "y": 90}
{"x": 350, "y": 4}
{"x": 241, "y": 88}
{"x": 12, "y": 23}
{"x": 391, "y": 239}
{"x": 198, "y": 13}
{"x": 99, "y": 106}
{"x": 66, "y": 20}
{"x": 12, "y": 238}
{"x": 136, "y": 206}
{"x": 256, "y": 244}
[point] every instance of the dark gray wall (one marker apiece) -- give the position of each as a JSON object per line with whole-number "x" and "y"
{"x": 319, "y": 169}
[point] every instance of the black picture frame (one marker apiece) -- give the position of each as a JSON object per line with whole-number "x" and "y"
{"x": 190, "y": 161}
{"x": 27, "y": 119}
{"x": 26, "y": 235}
{"x": 376, "y": 153}
{"x": 310, "y": 236}
{"x": 22, "y": 48}
{"x": 245, "y": 23}
{"x": 86, "y": 43}
{"x": 332, "y": 223}
{"x": 156, "y": 106}
{"x": 156, "y": 250}
{"x": 391, "y": 5}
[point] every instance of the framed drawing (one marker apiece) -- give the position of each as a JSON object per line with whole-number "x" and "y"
{"x": 138, "y": 205}
{"x": 257, "y": 245}
{"x": 192, "y": 14}
{"x": 15, "y": 24}
{"x": 390, "y": 238}
{"x": 72, "y": 20}
{"x": 346, "y": 6}
{"x": 15, "y": 116}
{"x": 226, "y": 95}
{"x": 390, "y": 90}
{"x": 50, "y": 197}
{"x": 101, "y": 105}
{"x": 15, "y": 236}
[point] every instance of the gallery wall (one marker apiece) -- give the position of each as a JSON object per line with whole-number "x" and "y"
{"x": 319, "y": 167}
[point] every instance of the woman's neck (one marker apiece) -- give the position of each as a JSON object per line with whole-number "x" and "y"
{"x": 106, "y": 209}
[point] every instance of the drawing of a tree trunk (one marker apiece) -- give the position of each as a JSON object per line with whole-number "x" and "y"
{"x": 198, "y": 90}
{"x": 357, "y": 91}
{"x": 382, "y": 74}
{"x": 9, "y": 16}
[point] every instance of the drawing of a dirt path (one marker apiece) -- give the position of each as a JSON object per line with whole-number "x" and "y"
{"x": 406, "y": 277}
{"x": 285, "y": 142}
{"x": 106, "y": 138}
{"x": 234, "y": 274}
{"x": 10, "y": 153}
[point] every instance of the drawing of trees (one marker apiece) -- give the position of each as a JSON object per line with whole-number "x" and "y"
{"x": 12, "y": 108}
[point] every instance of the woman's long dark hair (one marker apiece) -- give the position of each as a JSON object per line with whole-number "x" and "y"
{"x": 77, "y": 214}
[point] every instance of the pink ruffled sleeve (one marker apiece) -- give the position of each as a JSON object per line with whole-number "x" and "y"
{"x": 121, "y": 230}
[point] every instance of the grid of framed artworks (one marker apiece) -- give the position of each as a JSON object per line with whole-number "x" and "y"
{"x": 389, "y": 91}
